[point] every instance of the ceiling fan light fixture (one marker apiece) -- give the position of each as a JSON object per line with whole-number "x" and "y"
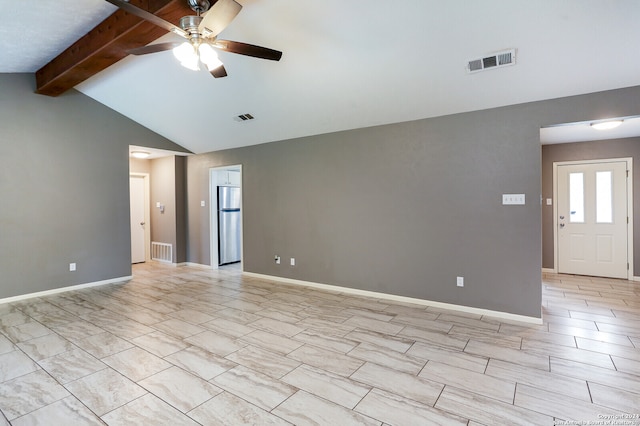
{"x": 186, "y": 54}
{"x": 140, "y": 154}
{"x": 201, "y": 32}
{"x": 209, "y": 56}
{"x": 606, "y": 125}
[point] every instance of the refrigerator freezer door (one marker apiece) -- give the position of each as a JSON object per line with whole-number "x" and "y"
{"x": 228, "y": 198}
{"x": 229, "y": 222}
{"x": 229, "y": 237}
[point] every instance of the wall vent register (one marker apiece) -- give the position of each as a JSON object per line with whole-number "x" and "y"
{"x": 162, "y": 252}
{"x": 494, "y": 60}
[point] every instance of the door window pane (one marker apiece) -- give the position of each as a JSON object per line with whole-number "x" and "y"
{"x": 604, "y": 205}
{"x": 576, "y": 197}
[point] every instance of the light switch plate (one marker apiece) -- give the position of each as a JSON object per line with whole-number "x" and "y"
{"x": 512, "y": 199}
{"x": 549, "y": 201}
{"x": 202, "y": 203}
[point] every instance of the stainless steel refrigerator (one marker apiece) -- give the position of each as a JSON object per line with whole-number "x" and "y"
{"x": 229, "y": 223}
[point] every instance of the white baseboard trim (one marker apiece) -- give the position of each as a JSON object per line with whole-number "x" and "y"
{"x": 553, "y": 271}
{"x": 404, "y": 299}
{"x": 198, "y": 265}
{"x": 174, "y": 265}
{"x": 64, "y": 289}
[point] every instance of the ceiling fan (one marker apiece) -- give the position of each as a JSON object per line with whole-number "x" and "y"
{"x": 201, "y": 34}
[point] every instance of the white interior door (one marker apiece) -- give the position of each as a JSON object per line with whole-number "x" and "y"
{"x": 592, "y": 219}
{"x": 138, "y": 222}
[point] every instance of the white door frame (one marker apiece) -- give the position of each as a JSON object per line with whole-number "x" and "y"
{"x": 213, "y": 213}
{"x": 147, "y": 214}
{"x": 629, "y": 162}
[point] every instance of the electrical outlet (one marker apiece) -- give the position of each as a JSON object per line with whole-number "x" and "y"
{"x": 460, "y": 281}
{"x": 293, "y": 261}
{"x": 72, "y": 267}
{"x": 277, "y": 259}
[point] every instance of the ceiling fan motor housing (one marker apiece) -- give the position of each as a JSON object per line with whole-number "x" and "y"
{"x": 190, "y": 24}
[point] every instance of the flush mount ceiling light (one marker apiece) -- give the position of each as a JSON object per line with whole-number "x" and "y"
{"x": 140, "y": 154}
{"x": 606, "y": 125}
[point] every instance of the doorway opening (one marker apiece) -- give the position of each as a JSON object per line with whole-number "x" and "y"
{"x": 225, "y": 202}
{"x": 139, "y": 217}
{"x": 593, "y": 217}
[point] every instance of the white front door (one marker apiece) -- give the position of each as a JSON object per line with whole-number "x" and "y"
{"x": 592, "y": 219}
{"x": 138, "y": 224}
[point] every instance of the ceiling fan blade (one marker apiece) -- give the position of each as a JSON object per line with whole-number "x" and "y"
{"x": 141, "y": 13}
{"x": 153, "y": 48}
{"x": 219, "y": 72}
{"x": 248, "y": 49}
{"x": 218, "y": 17}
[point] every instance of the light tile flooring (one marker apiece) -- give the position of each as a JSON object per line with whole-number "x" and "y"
{"x": 187, "y": 346}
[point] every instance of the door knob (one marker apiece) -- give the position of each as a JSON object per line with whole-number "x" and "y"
{"x": 561, "y": 217}
{"x": 142, "y": 223}
{"x": 562, "y": 225}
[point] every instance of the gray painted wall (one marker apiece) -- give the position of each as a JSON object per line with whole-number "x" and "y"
{"x": 403, "y": 208}
{"x": 617, "y": 148}
{"x": 400, "y": 209}
{"x": 64, "y": 186}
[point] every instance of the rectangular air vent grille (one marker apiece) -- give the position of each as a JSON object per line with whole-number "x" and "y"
{"x": 243, "y": 117}
{"x": 162, "y": 252}
{"x": 495, "y": 60}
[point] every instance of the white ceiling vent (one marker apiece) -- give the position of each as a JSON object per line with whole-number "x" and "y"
{"x": 243, "y": 117}
{"x": 495, "y": 60}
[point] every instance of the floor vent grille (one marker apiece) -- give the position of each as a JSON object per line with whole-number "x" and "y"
{"x": 162, "y": 252}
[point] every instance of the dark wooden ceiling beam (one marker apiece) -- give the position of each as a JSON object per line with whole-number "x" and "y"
{"x": 106, "y": 44}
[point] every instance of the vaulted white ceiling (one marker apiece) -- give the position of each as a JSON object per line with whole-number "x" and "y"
{"x": 346, "y": 64}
